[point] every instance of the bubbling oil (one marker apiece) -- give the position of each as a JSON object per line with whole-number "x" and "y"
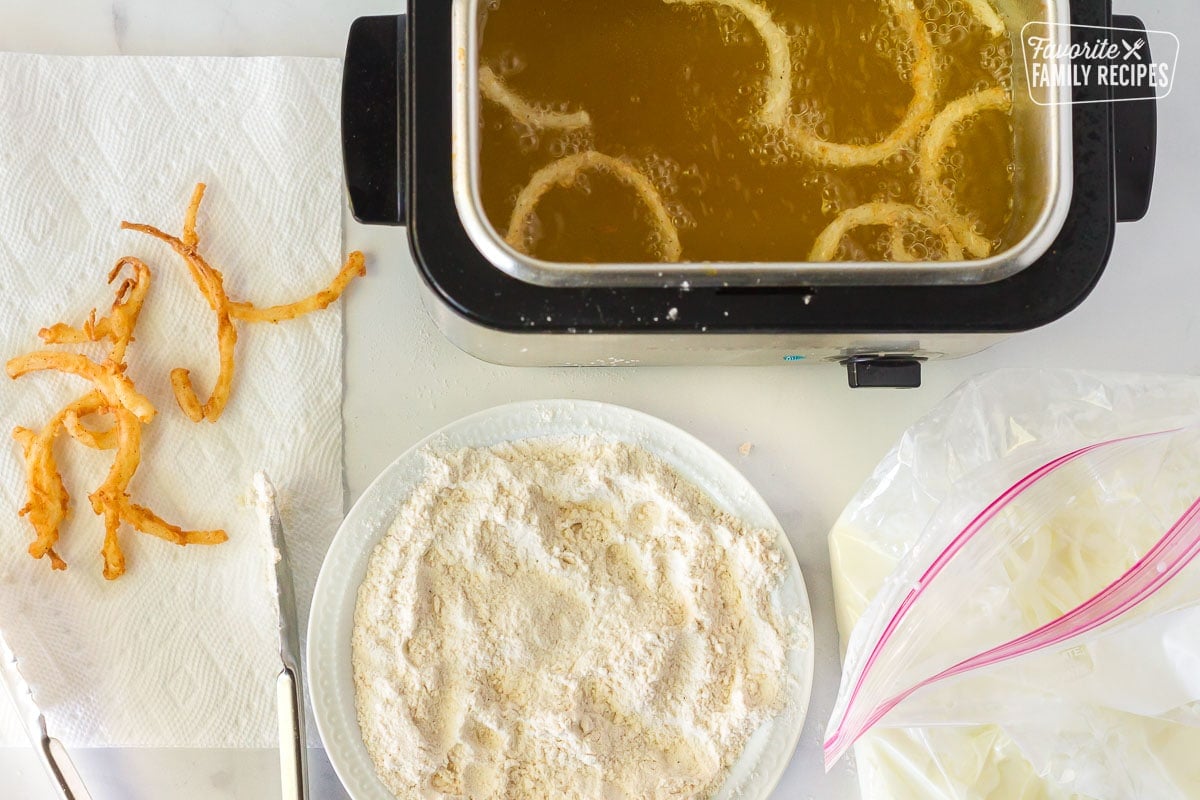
{"x": 676, "y": 90}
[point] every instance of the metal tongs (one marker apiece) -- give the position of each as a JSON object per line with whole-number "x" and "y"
{"x": 289, "y": 691}
{"x": 54, "y": 756}
{"x": 293, "y": 753}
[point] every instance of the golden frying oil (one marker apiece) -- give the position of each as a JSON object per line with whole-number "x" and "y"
{"x": 675, "y": 90}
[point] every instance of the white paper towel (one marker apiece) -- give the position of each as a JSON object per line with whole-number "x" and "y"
{"x": 182, "y": 650}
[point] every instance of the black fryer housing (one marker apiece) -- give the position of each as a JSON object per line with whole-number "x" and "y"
{"x": 396, "y": 109}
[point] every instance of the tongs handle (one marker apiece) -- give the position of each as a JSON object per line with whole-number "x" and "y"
{"x": 62, "y": 770}
{"x": 293, "y": 747}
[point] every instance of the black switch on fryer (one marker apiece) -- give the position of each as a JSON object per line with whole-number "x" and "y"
{"x": 883, "y": 372}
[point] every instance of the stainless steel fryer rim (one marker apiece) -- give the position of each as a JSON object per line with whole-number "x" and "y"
{"x": 491, "y": 244}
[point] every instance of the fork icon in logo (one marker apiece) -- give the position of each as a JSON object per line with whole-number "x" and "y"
{"x": 1133, "y": 50}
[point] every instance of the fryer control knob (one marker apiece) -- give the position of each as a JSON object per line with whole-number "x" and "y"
{"x": 883, "y": 372}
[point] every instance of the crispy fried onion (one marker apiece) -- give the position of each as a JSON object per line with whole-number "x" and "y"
{"x": 112, "y": 394}
{"x": 89, "y": 437}
{"x": 775, "y": 112}
{"x": 496, "y": 90}
{"x": 894, "y": 215}
{"x": 211, "y": 283}
{"x": 111, "y": 500}
{"x": 118, "y": 326}
{"x": 108, "y": 377}
{"x": 212, "y": 286}
{"x": 355, "y": 267}
{"x": 564, "y": 173}
{"x": 934, "y": 193}
{"x": 48, "y": 501}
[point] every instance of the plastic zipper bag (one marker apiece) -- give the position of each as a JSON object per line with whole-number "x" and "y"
{"x": 1055, "y": 595}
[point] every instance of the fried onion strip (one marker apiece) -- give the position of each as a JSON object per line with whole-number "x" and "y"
{"x": 564, "y": 172}
{"x": 93, "y": 330}
{"x": 355, "y": 266}
{"x": 185, "y": 396}
{"x": 127, "y": 307}
{"x": 496, "y": 90}
{"x": 114, "y": 395}
{"x": 934, "y": 194}
{"x": 211, "y": 284}
{"x": 146, "y": 521}
{"x": 122, "y": 317}
{"x": 97, "y": 440}
{"x": 190, "y": 239}
{"x": 48, "y": 498}
{"x": 106, "y": 500}
{"x": 890, "y": 214}
{"x": 108, "y": 379}
{"x": 111, "y": 500}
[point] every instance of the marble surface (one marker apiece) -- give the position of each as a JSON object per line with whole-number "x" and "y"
{"x": 815, "y": 439}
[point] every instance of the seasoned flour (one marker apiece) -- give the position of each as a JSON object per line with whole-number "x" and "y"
{"x": 565, "y": 618}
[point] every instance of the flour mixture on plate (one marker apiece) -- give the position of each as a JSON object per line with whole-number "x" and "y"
{"x": 565, "y": 618}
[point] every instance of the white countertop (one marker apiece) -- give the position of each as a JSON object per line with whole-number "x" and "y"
{"x": 815, "y": 440}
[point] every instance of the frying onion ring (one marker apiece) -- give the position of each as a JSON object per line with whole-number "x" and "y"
{"x": 564, "y": 172}
{"x": 934, "y": 193}
{"x": 898, "y": 250}
{"x": 891, "y": 214}
{"x": 774, "y": 112}
{"x": 987, "y": 16}
{"x": 494, "y": 89}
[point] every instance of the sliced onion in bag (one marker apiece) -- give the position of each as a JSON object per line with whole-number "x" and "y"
{"x": 1000, "y": 595}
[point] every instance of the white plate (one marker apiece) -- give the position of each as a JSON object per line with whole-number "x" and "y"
{"x": 330, "y": 675}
